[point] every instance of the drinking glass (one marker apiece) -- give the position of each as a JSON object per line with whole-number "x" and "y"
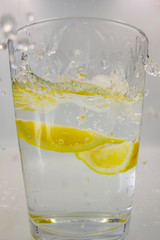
{"x": 78, "y": 88}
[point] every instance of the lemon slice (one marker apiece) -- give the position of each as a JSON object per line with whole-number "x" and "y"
{"x": 61, "y": 138}
{"x": 113, "y": 159}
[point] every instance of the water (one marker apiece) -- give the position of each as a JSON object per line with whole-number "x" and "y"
{"x": 65, "y": 196}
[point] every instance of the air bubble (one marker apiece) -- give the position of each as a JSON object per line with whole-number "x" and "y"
{"x": 3, "y": 45}
{"x": 51, "y": 52}
{"x": 39, "y": 54}
{"x": 61, "y": 141}
{"x": 22, "y": 77}
{"x": 7, "y": 23}
{"x": 77, "y": 52}
{"x": 30, "y": 17}
{"x": 85, "y": 110}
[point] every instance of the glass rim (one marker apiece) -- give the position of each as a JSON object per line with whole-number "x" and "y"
{"x": 121, "y": 23}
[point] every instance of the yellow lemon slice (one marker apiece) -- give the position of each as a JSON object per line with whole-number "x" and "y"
{"x": 113, "y": 159}
{"x": 61, "y": 138}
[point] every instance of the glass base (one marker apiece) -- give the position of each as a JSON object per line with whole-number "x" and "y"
{"x": 80, "y": 228}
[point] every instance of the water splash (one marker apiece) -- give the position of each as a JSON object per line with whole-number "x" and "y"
{"x": 152, "y": 68}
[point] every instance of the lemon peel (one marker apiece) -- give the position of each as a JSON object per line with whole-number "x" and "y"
{"x": 112, "y": 159}
{"x": 61, "y": 138}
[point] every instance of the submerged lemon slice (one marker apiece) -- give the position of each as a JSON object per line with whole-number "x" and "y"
{"x": 61, "y": 138}
{"x": 113, "y": 159}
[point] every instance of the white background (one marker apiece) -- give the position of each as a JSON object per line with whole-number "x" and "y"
{"x": 144, "y": 14}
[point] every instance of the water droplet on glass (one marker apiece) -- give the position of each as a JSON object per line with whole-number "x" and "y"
{"x": 3, "y": 148}
{"x": 7, "y": 23}
{"x": 3, "y": 93}
{"x": 30, "y": 17}
{"x": 3, "y": 45}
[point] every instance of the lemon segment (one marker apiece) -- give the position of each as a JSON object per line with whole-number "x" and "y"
{"x": 112, "y": 159}
{"x": 61, "y": 138}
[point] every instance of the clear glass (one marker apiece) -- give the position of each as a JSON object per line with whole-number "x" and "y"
{"x": 78, "y": 87}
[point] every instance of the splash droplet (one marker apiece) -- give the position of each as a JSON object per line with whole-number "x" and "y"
{"x": 3, "y": 45}
{"x": 104, "y": 64}
{"x": 145, "y": 162}
{"x": 3, "y": 93}
{"x": 152, "y": 68}
{"x": 30, "y": 17}
{"x": 7, "y": 23}
{"x": 3, "y": 148}
{"x": 86, "y": 180}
